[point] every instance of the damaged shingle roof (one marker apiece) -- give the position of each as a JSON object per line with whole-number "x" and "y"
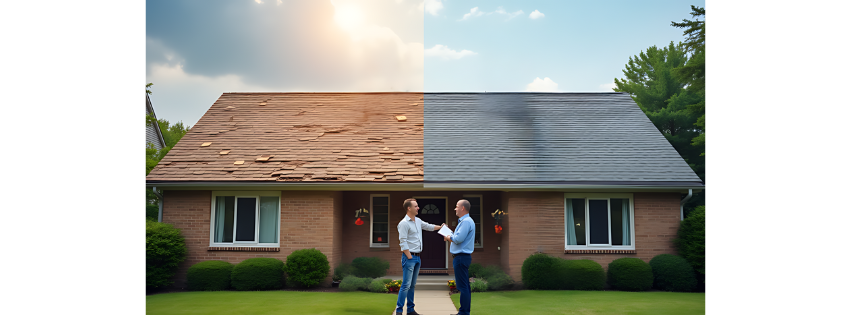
{"x": 344, "y": 137}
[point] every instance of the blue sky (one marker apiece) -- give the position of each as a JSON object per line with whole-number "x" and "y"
{"x": 196, "y": 50}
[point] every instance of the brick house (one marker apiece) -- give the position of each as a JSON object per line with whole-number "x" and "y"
{"x": 581, "y": 176}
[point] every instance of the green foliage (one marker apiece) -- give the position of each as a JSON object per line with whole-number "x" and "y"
{"x": 538, "y": 272}
{"x": 353, "y": 283}
{"x": 386, "y": 281}
{"x": 341, "y": 271}
{"x": 691, "y": 239}
{"x": 370, "y": 267}
{"x": 499, "y": 281}
{"x": 475, "y": 270}
{"x": 478, "y": 285}
{"x": 148, "y": 88}
{"x": 630, "y": 274}
{"x": 255, "y": 274}
{"x": 171, "y": 134}
{"x": 378, "y": 286}
{"x": 306, "y": 267}
{"x": 673, "y": 273}
{"x": 582, "y": 274}
{"x": 693, "y": 73}
{"x": 211, "y": 275}
{"x": 165, "y": 248}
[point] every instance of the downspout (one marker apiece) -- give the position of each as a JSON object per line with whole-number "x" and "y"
{"x": 160, "y": 204}
{"x": 683, "y": 202}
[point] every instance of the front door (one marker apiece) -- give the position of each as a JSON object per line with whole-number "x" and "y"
{"x": 434, "y": 248}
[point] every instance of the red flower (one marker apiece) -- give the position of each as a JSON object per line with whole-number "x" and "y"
{"x": 497, "y": 229}
{"x": 359, "y": 222}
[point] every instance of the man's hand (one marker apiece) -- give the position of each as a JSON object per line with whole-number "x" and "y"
{"x": 439, "y": 227}
{"x": 447, "y": 238}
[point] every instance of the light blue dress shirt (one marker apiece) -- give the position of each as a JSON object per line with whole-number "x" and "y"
{"x": 464, "y": 236}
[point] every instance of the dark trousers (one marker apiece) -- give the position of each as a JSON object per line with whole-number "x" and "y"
{"x": 461, "y": 263}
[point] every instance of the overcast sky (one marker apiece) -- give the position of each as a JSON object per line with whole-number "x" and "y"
{"x": 196, "y": 50}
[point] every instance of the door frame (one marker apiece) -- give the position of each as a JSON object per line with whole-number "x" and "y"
{"x": 445, "y": 220}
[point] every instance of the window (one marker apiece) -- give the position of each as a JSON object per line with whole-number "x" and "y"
{"x": 598, "y": 221}
{"x": 380, "y": 204}
{"x": 476, "y": 215}
{"x": 245, "y": 219}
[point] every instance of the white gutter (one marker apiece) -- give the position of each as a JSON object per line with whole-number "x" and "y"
{"x": 683, "y": 202}
{"x": 160, "y": 204}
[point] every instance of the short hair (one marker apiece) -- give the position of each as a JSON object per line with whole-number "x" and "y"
{"x": 465, "y": 204}
{"x": 407, "y": 203}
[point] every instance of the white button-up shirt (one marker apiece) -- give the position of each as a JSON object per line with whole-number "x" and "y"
{"x": 411, "y": 233}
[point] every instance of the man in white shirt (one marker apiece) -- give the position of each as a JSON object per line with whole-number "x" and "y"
{"x": 410, "y": 240}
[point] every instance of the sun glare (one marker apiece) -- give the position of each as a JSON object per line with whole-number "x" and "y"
{"x": 347, "y": 16}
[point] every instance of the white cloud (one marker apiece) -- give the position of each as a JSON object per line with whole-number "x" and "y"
{"x": 607, "y": 87}
{"x": 502, "y": 11}
{"x": 445, "y": 53}
{"x": 536, "y": 15}
{"x": 474, "y": 12}
{"x": 433, "y": 7}
{"x": 545, "y": 85}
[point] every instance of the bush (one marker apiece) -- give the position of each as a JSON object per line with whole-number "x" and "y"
{"x": 691, "y": 240}
{"x": 386, "y": 281}
{"x": 499, "y": 281}
{"x": 342, "y": 270}
{"x": 582, "y": 275}
{"x": 211, "y": 275}
{"x": 478, "y": 285}
{"x": 306, "y": 267}
{"x": 258, "y": 274}
{"x": 377, "y": 286}
{"x": 539, "y": 272}
{"x": 353, "y": 283}
{"x": 630, "y": 274}
{"x": 370, "y": 267}
{"x": 165, "y": 249}
{"x": 476, "y": 270}
{"x": 673, "y": 273}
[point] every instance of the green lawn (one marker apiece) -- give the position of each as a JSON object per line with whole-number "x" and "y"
{"x": 271, "y": 302}
{"x": 585, "y": 302}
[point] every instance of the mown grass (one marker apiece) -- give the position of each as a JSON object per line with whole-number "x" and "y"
{"x": 270, "y": 302}
{"x": 585, "y": 302}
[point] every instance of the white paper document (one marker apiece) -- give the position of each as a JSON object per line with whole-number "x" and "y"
{"x": 445, "y": 231}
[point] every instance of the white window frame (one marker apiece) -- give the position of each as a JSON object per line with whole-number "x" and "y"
{"x": 481, "y": 219}
{"x": 607, "y": 197}
{"x": 378, "y": 245}
{"x": 245, "y": 194}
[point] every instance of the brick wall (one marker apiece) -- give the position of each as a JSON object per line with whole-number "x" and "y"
{"x": 533, "y": 213}
{"x": 308, "y": 220}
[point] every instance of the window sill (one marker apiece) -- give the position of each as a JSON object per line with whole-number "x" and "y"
{"x": 599, "y": 251}
{"x": 245, "y": 249}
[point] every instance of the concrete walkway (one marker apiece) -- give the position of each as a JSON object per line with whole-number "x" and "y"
{"x": 432, "y": 302}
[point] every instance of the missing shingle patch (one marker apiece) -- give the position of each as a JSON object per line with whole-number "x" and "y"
{"x": 206, "y": 144}
{"x": 401, "y": 118}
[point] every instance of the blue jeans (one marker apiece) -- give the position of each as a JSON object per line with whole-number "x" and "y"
{"x": 410, "y": 270}
{"x": 461, "y": 263}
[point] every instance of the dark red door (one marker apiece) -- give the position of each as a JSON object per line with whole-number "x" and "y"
{"x": 434, "y": 248}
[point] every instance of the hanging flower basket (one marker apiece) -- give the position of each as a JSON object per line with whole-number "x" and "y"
{"x": 361, "y": 215}
{"x": 497, "y": 216}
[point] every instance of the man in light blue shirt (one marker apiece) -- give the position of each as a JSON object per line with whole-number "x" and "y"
{"x": 461, "y": 248}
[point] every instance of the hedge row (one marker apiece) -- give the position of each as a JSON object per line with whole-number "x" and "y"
{"x": 492, "y": 275}
{"x": 305, "y": 268}
{"x": 362, "y": 267}
{"x": 664, "y": 272}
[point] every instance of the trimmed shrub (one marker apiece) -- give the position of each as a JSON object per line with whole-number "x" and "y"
{"x": 211, "y": 275}
{"x": 386, "y": 281}
{"x": 165, "y": 248}
{"x": 673, "y": 273}
{"x": 258, "y": 274}
{"x": 478, "y": 285}
{"x": 306, "y": 267}
{"x": 630, "y": 274}
{"x": 377, "y": 286}
{"x": 475, "y": 270}
{"x": 342, "y": 270}
{"x": 490, "y": 271}
{"x": 353, "y": 283}
{"x": 499, "y": 281}
{"x": 539, "y": 272}
{"x": 691, "y": 240}
{"x": 370, "y": 267}
{"x": 582, "y": 274}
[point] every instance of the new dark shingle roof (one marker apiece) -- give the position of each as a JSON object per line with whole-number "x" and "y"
{"x": 545, "y": 137}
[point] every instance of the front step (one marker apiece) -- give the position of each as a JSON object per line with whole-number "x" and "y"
{"x": 429, "y": 282}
